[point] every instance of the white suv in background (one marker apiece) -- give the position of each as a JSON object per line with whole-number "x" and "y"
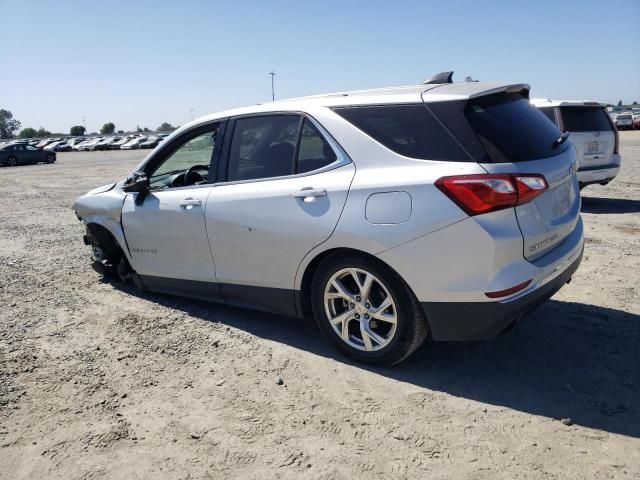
{"x": 593, "y": 133}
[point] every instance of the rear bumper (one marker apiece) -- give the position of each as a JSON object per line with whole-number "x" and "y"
{"x": 601, "y": 174}
{"x": 457, "y": 321}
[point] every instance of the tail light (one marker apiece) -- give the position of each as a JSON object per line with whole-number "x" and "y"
{"x": 483, "y": 193}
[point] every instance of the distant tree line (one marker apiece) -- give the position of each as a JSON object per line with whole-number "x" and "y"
{"x": 11, "y": 127}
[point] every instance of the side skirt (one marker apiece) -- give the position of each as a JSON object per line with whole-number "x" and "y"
{"x": 274, "y": 300}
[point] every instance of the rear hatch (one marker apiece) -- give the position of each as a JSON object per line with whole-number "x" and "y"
{"x": 591, "y": 133}
{"x": 505, "y": 134}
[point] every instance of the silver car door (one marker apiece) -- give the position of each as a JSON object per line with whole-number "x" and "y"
{"x": 261, "y": 228}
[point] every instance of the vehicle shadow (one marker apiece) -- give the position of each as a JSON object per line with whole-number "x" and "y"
{"x": 565, "y": 360}
{"x": 609, "y": 205}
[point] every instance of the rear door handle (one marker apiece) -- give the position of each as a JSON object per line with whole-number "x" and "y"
{"x": 309, "y": 194}
{"x": 189, "y": 203}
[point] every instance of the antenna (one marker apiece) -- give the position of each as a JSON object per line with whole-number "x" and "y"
{"x": 273, "y": 94}
{"x": 442, "y": 77}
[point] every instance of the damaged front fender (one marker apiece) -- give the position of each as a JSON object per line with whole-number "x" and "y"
{"x": 104, "y": 208}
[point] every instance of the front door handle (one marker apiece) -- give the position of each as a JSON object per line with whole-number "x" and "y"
{"x": 189, "y": 203}
{"x": 309, "y": 194}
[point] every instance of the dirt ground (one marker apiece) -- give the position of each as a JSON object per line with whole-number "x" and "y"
{"x": 100, "y": 381}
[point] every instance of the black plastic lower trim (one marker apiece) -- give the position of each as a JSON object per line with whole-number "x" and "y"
{"x": 457, "y": 321}
{"x": 275, "y": 300}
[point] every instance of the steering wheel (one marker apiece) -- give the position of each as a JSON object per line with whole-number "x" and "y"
{"x": 192, "y": 176}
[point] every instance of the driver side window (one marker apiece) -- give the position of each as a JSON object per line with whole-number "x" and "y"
{"x": 195, "y": 154}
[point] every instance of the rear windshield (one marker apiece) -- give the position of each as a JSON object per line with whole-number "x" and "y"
{"x": 624, "y": 117}
{"x": 409, "y": 130}
{"x": 585, "y": 119}
{"x": 510, "y": 129}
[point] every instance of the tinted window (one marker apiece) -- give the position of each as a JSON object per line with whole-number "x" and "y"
{"x": 510, "y": 129}
{"x": 409, "y": 130}
{"x": 585, "y": 119}
{"x": 263, "y": 147}
{"x": 314, "y": 151}
{"x": 549, "y": 112}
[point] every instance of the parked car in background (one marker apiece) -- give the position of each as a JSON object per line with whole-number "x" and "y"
{"x": 106, "y": 143}
{"x": 151, "y": 142}
{"x": 385, "y": 220}
{"x": 91, "y": 144}
{"x": 63, "y": 146}
{"x": 44, "y": 142}
{"x": 78, "y": 145}
{"x": 51, "y": 147}
{"x": 593, "y": 133}
{"x": 133, "y": 144}
{"x": 23, "y": 154}
{"x": 117, "y": 144}
{"x": 636, "y": 120}
{"x": 624, "y": 121}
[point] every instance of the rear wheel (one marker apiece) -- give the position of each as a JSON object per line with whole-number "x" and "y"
{"x": 12, "y": 161}
{"x": 366, "y": 310}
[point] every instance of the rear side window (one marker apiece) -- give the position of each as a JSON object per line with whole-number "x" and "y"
{"x": 585, "y": 119}
{"x": 409, "y": 130}
{"x": 263, "y": 147}
{"x": 314, "y": 151}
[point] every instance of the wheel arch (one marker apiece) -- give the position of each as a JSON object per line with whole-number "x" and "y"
{"x": 304, "y": 296}
{"x": 95, "y": 225}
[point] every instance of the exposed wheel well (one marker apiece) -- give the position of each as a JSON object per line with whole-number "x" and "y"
{"x": 104, "y": 238}
{"x": 310, "y": 271}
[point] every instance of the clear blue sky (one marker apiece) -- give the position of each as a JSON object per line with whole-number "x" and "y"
{"x": 145, "y": 62}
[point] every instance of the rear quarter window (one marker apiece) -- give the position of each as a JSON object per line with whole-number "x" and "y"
{"x": 585, "y": 119}
{"x": 409, "y": 130}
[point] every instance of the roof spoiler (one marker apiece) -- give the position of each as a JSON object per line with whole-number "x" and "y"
{"x": 515, "y": 88}
{"x": 442, "y": 77}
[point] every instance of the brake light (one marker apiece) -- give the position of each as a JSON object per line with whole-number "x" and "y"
{"x": 483, "y": 193}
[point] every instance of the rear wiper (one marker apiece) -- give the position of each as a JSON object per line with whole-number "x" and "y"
{"x": 560, "y": 140}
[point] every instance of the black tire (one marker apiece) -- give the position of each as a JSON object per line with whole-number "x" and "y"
{"x": 12, "y": 161}
{"x": 411, "y": 324}
{"x": 51, "y": 158}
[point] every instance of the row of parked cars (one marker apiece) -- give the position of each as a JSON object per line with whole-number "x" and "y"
{"x": 627, "y": 120}
{"x": 80, "y": 144}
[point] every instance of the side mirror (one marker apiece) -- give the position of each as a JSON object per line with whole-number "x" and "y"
{"x": 137, "y": 182}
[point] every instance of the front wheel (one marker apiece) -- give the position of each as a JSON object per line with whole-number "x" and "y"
{"x": 51, "y": 158}
{"x": 366, "y": 310}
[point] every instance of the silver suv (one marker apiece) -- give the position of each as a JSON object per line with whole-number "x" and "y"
{"x": 593, "y": 133}
{"x": 443, "y": 209}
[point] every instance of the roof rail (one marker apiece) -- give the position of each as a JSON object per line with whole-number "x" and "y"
{"x": 442, "y": 77}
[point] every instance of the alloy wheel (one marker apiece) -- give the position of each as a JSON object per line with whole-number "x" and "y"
{"x": 360, "y": 309}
